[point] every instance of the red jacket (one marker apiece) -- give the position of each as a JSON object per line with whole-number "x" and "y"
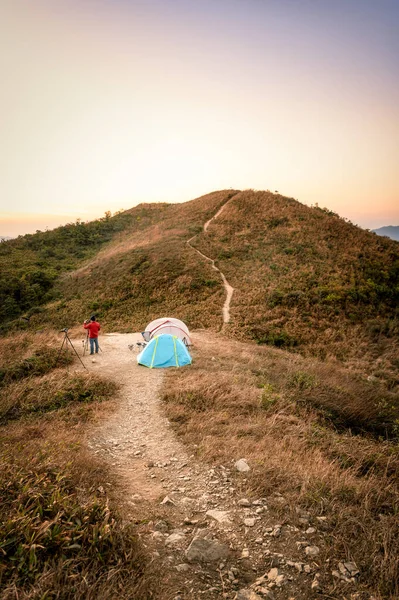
{"x": 93, "y": 328}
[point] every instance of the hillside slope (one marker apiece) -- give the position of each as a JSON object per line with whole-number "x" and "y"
{"x": 31, "y": 265}
{"x": 304, "y": 278}
{"x": 147, "y": 272}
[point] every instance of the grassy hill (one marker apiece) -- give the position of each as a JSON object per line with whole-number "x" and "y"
{"x": 321, "y": 428}
{"x": 30, "y": 265}
{"x": 146, "y": 269}
{"x": 307, "y": 279}
{"x": 304, "y": 278}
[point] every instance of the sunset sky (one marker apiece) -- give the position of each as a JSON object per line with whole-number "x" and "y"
{"x": 108, "y": 103}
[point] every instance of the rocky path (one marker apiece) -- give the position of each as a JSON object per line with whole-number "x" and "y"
{"x": 228, "y": 288}
{"x": 208, "y": 539}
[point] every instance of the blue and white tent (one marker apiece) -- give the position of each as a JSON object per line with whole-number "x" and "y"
{"x": 164, "y": 350}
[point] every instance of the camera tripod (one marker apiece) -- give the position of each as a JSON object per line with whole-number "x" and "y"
{"x": 65, "y": 341}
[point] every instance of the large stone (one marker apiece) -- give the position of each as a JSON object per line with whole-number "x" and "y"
{"x": 204, "y": 550}
{"x": 167, "y": 501}
{"x": 312, "y": 550}
{"x": 221, "y": 516}
{"x": 276, "y": 531}
{"x": 175, "y": 539}
{"x": 244, "y": 502}
{"x": 161, "y": 526}
{"x": 242, "y": 465}
{"x": 307, "y": 569}
{"x": 279, "y": 580}
{"x": 348, "y": 569}
{"x": 272, "y": 574}
{"x": 247, "y": 595}
{"x": 310, "y": 530}
{"x": 315, "y": 584}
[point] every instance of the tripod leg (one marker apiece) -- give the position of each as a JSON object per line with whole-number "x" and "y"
{"x": 86, "y": 344}
{"x": 73, "y": 348}
{"x": 59, "y": 353}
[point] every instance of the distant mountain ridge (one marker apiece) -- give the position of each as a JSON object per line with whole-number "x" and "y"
{"x": 391, "y": 231}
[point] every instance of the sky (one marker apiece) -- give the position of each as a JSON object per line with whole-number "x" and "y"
{"x": 105, "y": 104}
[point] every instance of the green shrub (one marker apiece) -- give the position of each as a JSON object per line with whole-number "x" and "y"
{"x": 269, "y": 397}
{"x": 301, "y": 380}
{"x": 276, "y": 297}
{"x": 280, "y": 339}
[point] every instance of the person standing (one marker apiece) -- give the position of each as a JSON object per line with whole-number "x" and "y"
{"x": 93, "y": 328}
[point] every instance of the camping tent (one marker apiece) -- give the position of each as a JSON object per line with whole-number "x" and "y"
{"x": 164, "y": 350}
{"x": 167, "y": 325}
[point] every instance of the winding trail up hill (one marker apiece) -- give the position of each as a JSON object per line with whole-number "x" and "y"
{"x": 228, "y": 288}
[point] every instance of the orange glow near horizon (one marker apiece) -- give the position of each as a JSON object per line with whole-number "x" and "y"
{"x": 114, "y": 103}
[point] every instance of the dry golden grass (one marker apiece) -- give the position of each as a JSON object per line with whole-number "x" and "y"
{"x": 304, "y": 278}
{"x": 240, "y": 400}
{"x": 60, "y": 533}
{"x": 145, "y": 271}
{"x": 22, "y": 344}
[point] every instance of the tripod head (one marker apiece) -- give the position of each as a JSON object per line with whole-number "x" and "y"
{"x": 64, "y": 330}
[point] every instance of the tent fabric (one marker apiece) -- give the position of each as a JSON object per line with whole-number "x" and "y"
{"x": 168, "y": 325}
{"x": 164, "y": 350}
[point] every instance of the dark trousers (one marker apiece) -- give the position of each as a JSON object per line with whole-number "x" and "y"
{"x": 93, "y": 342}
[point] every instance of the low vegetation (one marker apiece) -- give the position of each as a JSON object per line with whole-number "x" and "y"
{"x": 60, "y": 536}
{"x": 322, "y": 436}
{"x": 31, "y": 265}
{"x": 305, "y": 279}
{"x": 39, "y": 362}
{"x": 308, "y": 280}
{"x": 148, "y": 269}
{"x": 312, "y": 402}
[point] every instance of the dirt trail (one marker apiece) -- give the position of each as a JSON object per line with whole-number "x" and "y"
{"x": 184, "y": 502}
{"x": 229, "y": 289}
{"x": 137, "y": 438}
{"x": 137, "y": 431}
